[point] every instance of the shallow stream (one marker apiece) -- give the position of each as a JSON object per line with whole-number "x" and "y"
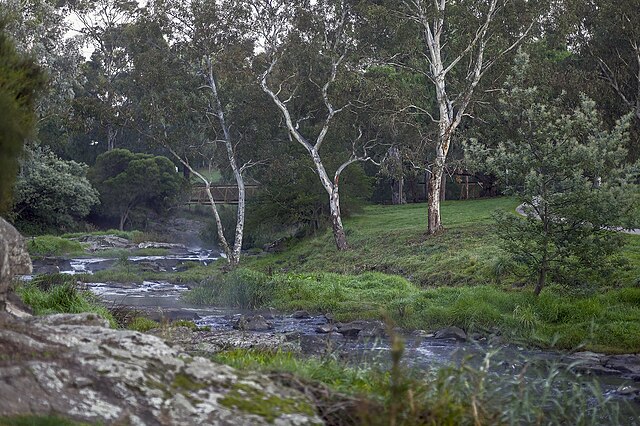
{"x": 422, "y": 351}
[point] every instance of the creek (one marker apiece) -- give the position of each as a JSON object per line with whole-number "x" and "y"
{"x": 508, "y": 362}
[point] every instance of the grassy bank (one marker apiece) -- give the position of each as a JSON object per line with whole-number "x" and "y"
{"x": 53, "y": 294}
{"x": 460, "y": 277}
{"x": 456, "y": 395}
{"x": 67, "y": 245}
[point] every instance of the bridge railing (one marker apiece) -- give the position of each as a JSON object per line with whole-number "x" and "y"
{"x": 222, "y": 194}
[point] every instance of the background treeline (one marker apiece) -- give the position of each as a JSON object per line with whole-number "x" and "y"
{"x": 120, "y": 76}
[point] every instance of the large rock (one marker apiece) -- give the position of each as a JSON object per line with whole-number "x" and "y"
{"x": 14, "y": 259}
{"x": 451, "y": 333}
{"x": 74, "y": 366}
{"x": 252, "y": 323}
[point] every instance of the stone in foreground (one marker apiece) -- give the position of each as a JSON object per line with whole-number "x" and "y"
{"x": 76, "y": 367}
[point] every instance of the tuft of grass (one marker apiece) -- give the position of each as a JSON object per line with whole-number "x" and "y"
{"x": 49, "y": 245}
{"x": 142, "y": 324}
{"x": 63, "y": 297}
{"x": 184, "y": 323}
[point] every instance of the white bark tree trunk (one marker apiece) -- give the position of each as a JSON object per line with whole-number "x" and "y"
{"x": 451, "y": 109}
{"x": 234, "y": 254}
{"x": 330, "y": 185}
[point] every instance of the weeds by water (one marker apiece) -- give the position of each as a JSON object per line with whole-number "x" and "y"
{"x": 59, "y": 294}
{"x": 464, "y": 394}
{"x": 608, "y": 322}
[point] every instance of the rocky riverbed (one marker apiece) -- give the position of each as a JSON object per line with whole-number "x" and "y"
{"x": 219, "y": 329}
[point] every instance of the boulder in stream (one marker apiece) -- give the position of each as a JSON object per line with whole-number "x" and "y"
{"x": 451, "y": 333}
{"x": 252, "y": 323}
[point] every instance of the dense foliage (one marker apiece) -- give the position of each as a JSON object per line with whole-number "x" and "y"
{"x": 569, "y": 174}
{"x": 52, "y": 193}
{"x": 129, "y": 183}
{"x": 20, "y": 79}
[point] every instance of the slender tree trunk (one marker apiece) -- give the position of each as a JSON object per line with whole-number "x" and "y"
{"x": 433, "y": 202}
{"x": 336, "y": 220}
{"x": 542, "y": 276}
{"x": 397, "y": 191}
{"x": 123, "y": 219}
{"x": 111, "y": 138}
{"x": 237, "y": 171}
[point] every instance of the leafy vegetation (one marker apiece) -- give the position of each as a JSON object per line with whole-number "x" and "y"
{"x": 59, "y": 294}
{"x": 457, "y": 278}
{"x": 62, "y": 208}
{"x": 130, "y": 182}
{"x": 571, "y": 177}
{"x": 20, "y": 79}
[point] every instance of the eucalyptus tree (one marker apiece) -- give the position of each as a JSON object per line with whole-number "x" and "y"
{"x": 608, "y": 37}
{"x": 459, "y": 41}
{"x": 39, "y": 28}
{"x": 313, "y": 75}
{"x": 192, "y": 80}
{"x": 20, "y": 81}
{"x": 101, "y": 25}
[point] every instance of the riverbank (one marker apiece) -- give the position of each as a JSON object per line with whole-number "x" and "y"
{"x": 458, "y": 278}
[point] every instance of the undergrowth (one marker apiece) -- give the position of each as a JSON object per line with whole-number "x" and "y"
{"x": 59, "y": 294}
{"x": 606, "y": 322}
{"x": 464, "y": 394}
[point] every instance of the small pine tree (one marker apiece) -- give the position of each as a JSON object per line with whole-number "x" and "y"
{"x": 569, "y": 174}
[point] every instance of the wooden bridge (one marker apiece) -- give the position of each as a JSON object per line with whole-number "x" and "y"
{"x": 222, "y": 194}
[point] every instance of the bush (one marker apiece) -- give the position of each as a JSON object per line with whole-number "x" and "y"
{"x": 53, "y": 192}
{"x": 241, "y": 288}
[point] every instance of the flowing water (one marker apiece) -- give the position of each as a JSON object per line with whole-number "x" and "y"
{"x": 421, "y": 352}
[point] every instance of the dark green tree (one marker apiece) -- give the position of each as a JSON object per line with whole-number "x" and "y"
{"x": 129, "y": 182}
{"x": 568, "y": 172}
{"x": 20, "y": 80}
{"x": 52, "y": 193}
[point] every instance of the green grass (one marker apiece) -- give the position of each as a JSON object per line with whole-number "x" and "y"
{"x": 606, "y": 322}
{"x": 393, "y": 240}
{"x": 460, "y": 277}
{"x": 454, "y": 395}
{"x": 342, "y": 378}
{"x": 51, "y": 294}
{"x": 128, "y": 235}
{"x": 142, "y": 324}
{"x": 49, "y": 245}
